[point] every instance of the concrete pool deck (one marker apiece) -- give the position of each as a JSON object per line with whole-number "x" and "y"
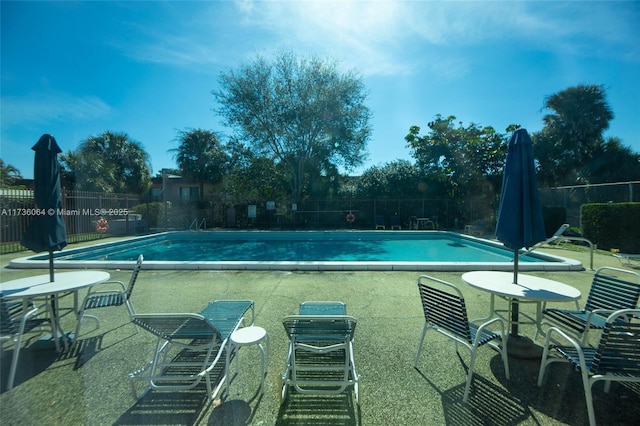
{"x": 90, "y": 385}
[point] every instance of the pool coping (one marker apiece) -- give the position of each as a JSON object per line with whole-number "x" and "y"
{"x": 555, "y": 263}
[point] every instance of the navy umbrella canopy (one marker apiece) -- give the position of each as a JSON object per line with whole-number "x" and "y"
{"x": 520, "y": 222}
{"x": 47, "y": 231}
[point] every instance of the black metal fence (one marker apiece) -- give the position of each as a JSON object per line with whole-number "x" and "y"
{"x": 343, "y": 213}
{"x": 81, "y": 211}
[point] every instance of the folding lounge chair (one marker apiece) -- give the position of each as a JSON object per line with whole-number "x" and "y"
{"x": 17, "y": 319}
{"x": 612, "y": 289}
{"x": 380, "y": 223}
{"x": 557, "y": 236}
{"x": 615, "y": 358}
{"x": 321, "y": 355}
{"x": 190, "y": 347}
{"x": 395, "y": 222}
{"x": 445, "y": 312}
{"x": 632, "y": 260}
{"x": 107, "y": 294}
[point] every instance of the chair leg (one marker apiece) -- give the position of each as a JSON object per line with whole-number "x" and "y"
{"x": 424, "y": 331}
{"x": 588, "y": 397}
{"x": 505, "y": 359}
{"x": 543, "y": 363}
{"x": 467, "y": 386}
{"x": 17, "y": 343}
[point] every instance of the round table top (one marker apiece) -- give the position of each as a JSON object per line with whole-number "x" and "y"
{"x": 530, "y": 288}
{"x": 42, "y": 284}
{"x": 248, "y": 335}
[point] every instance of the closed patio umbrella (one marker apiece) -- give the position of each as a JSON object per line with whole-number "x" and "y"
{"x": 520, "y": 222}
{"x": 47, "y": 231}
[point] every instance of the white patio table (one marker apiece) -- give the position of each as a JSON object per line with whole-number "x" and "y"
{"x": 41, "y": 286}
{"x": 529, "y": 289}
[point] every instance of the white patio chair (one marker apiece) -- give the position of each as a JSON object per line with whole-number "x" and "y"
{"x": 615, "y": 358}
{"x": 15, "y": 322}
{"x": 612, "y": 289}
{"x": 108, "y": 294}
{"x": 445, "y": 312}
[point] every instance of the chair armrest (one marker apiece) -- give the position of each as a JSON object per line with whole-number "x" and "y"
{"x": 490, "y": 322}
{"x": 548, "y": 340}
{"x": 116, "y": 287}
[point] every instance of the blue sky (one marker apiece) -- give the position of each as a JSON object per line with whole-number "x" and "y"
{"x": 76, "y": 69}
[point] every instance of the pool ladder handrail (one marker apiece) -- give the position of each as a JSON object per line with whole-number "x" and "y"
{"x": 196, "y": 225}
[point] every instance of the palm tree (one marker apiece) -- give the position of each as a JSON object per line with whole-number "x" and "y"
{"x": 200, "y": 157}
{"x": 110, "y": 162}
{"x": 8, "y": 174}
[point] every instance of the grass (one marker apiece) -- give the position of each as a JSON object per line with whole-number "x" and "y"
{"x": 90, "y": 385}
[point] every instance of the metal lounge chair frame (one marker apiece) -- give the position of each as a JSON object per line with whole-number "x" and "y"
{"x": 628, "y": 259}
{"x": 189, "y": 347}
{"x": 557, "y": 236}
{"x": 108, "y": 294}
{"x": 615, "y": 358}
{"x": 445, "y": 312}
{"x": 16, "y": 319}
{"x": 321, "y": 357}
{"x": 608, "y": 294}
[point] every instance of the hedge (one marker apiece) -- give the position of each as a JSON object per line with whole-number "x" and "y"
{"x": 612, "y": 225}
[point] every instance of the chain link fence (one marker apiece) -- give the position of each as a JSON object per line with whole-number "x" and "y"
{"x": 573, "y": 197}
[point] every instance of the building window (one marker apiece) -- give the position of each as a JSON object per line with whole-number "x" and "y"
{"x": 189, "y": 193}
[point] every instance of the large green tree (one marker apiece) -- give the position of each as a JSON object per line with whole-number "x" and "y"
{"x": 572, "y": 133}
{"x": 252, "y": 177}
{"x": 108, "y": 162}
{"x": 200, "y": 157}
{"x": 460, "y": 160}
{"x": 303, "y": 113}
{"x": 399, "y": 178}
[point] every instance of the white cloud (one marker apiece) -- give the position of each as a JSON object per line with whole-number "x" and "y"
{"x": 50, "y": 107}
{"x": 385, "y": 37}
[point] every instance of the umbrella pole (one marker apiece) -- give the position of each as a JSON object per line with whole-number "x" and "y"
{"x": 51, "y": 276}
{"x": 514, "y": 303}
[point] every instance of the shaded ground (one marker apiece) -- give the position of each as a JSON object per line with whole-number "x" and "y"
{"x": 90, "y": 384}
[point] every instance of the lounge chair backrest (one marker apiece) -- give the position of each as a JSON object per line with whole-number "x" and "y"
{"x": 134, "y": 276}
{"x": 444, "y": 307}
{"x": 619, "y": 348}
{"x": 611, "y": 292}
{"x": 173, "y": 326}
{"x": 560, "y": 230}
{"x": 320, "y": 328}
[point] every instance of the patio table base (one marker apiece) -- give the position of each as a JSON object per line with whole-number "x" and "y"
{"x": 522, "y": 347}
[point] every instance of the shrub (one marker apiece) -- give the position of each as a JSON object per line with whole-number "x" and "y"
{"x": 612, "y": 225}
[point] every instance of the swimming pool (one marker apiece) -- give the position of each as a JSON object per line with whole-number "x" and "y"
{"x": 302, "y": 250}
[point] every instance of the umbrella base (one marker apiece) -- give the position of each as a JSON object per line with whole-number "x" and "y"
{"x": 522, "y": 347}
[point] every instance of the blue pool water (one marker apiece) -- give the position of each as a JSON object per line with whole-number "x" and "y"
{"x": 295, "y": 250}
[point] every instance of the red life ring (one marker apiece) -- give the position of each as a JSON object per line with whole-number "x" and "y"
{"x": 102, "y": 225}
{"x": 351, "y": 218}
